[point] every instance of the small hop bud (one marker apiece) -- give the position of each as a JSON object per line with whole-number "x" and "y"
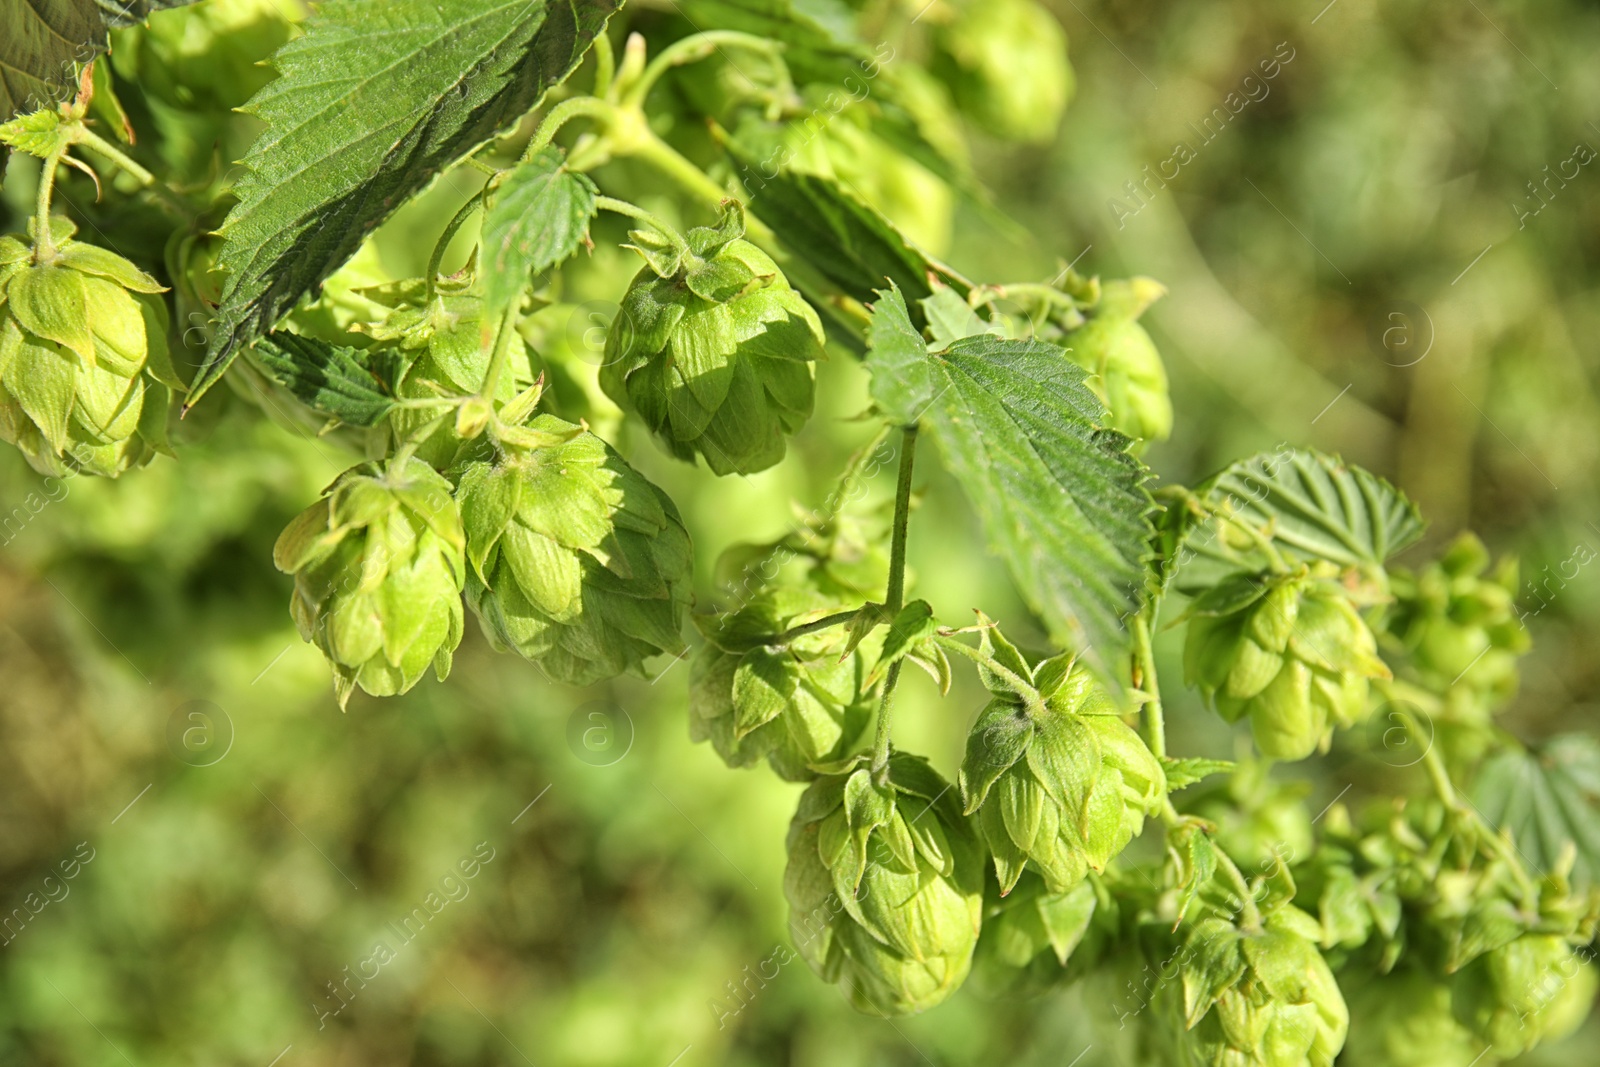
{"x": 801, "y": 705}
{"x": 378, "y": 568}
{"x": 885, "y": 886}
{"x": 1288, "y": 652}
{"x": 1061, "y": 787}
{"x": 1125, "y": 369}
{"x": 1457, "y": 622}
{"x": 713, "y": 349}
{"x": 1006, "y": 64}
{"x": 1533, "y": 989}
{"x": 85, "y": 377}
{"x": 577, "y": 561}
{"x": 1260, "y": 997}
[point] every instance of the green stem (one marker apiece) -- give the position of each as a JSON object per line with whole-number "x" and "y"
{"x": 691, "y": 49}
{"x": 44, "y": 246}
{"x": 443, "y": 243}
{"x": 826, "y": 622}
{"x": 99, "y": 145}
{"x": 1017, "y": 684}
{"x": 853, "y": 470}
{"x": 634, "y": 211}
{"x": 656, "y": 152}
{"x": 1252, "y": 916}
{"x": 1144, "y": 658}
{"x": 895, "y": 597}
{"x": 589, "y": 106}
{"x": 605, "y": 65}
{"x": 497, "y": 362}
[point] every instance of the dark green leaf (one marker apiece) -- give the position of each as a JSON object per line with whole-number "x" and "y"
{"x": 1313, "y": 506}
{"x": 1547, "y": 797}
{"x": 1063, "y": 502}
{"x": 327, "y": 377}
{"x": 539, "y": 217}
{"x": 372, "y": 103}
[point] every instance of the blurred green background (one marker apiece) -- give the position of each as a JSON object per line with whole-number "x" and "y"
{"x": 1355, "y": 260}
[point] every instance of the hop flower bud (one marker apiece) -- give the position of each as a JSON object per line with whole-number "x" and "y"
{"x": 1515, "y": 996}
{"x": 1126, "y": 370}
{"x": 85, "y": 376}
{"x": 1459, "y": 623}
{"x": 578, "y": 562}
{"x": 1006, "y": 63}
{"x": 713, "y": 349}
{"x": 1061, "y": 787}
{"x": 1253, "y": 998}
{"x": 378, "y": 568}
{"x": 800, "y": 705}
{"x": 885, "y": 886}
{"x": 1290, "y": 652}
{"x": 433, "y": 350}
{"x": 1403, "y": 1019}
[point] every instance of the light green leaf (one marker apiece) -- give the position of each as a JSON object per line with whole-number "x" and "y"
{"x": 1313, "y": 506}
{"x": 372, "y": 103}
{"x": 909, "y": 631}
{"x": 1547, "y": 797}
{"x": 1062, "y": 501}
{"x": 540, "y": 216}
{"x": 1182, "y": 773}
{"x": 329, "y": 378}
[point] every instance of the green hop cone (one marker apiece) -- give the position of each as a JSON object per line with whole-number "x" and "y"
{"x": 713, "y": 349}
{"x": 1259, "y": 997}
{"x": 1034, "y": 940}
{"x": 85, "y": 376}
{"x": 1458, "y": 622}
{"x": 1533, "y": 989}
{"x": 1403, "y": 1019}
{"x": 578, "y": 562}
{"x": 801, "y": 705}
{"x": 1006, "y": 63}
{"x": 885, "y": 886}
{"x": 1126, "y": 370}
{"x": 378, "y": 567}
{"x": 1062, "y": 786}
{"x": 430, "y": 350}
{"x": 1287, "y": 651}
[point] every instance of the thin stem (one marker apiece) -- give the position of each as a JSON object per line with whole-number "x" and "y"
{"x": 590, "y": 106}
{"x": 441, "y": 245}
{"x": 1018, "y": 684}
{"x": 497, "y": 362}
{"x": 1252, "y": 916}
{"x": 894, "y": 599}
{"x": 1145, "y": 667}
{"x": 99, "y": 145}
{"x": 44, "y": 246}
{"x": 605, "y": 65}
{"x": 656, "y": 152}
{"x": 634, "y": 211}
{"x": 794, "y": 633}
{"x": 691, "y": 49}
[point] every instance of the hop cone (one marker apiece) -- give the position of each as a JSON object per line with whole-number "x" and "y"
{"x": 84, "y": 370}
{"x": 1061, "y": 787}
{"x": 1126, "y": 369}
{"x": 713, "y": 350}
{"x": 800, "y": 705}
{"x": 885, "y": 886}
{"x": 1289, "y": 652}
{"x": 578, "y": 562}
{"x": 1533, "y": 989}
{"x": 1006, "y": 63}
{"x": 1034, "y": 940}
{"x": 378, "y": 567}
{"x": 1459, "y": 623}
{"x": 1252, "y": 998}
{"x": 1403, "y": 1019}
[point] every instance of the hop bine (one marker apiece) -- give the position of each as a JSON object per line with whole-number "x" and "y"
{"x": 378, "y": 566}
{"x": 85, "y": 377}
{"x": 578, "y": 562}
{"x": 713, "y": 349}
{"x": 1288, "y": 652}
{"x": 885, "y": 886}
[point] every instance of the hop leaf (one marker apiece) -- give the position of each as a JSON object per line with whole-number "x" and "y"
{"x": 577, "y": 561}
{"x": 378, "y": 567}
{"x": 713, "y": 349}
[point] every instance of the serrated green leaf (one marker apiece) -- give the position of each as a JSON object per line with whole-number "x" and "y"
{"x": 372, "y": 103}
{"x": 1196, "y": 858}
{"x": 1182, "y": 773}
{"x": 998, "y": 739}
{"x": 328, "y": 378}
{"x": 1313, "y": 506}
{"x": 539, "y": 217}
{"x": 1556, "y": 788}
{"x": 909, "y": 630}
{"x": 1062, "y": 501}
